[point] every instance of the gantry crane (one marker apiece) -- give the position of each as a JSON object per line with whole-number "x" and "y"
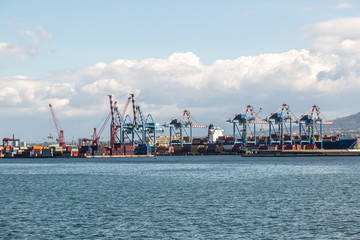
{"x": 311, "y": 124}
{"x": 244, "y": 125}
{"x": 280, "y": 125}
{"x": 139, "y": 129}
{"x": 15, "y": 142}
{"x": 60, "y": 132}
{"x": 116, "y": 121}
{"x": 181, "y": 123}
{"x": 119, "y": 118}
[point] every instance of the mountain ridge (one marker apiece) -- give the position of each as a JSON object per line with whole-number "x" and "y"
{"x": 348, "y": 122}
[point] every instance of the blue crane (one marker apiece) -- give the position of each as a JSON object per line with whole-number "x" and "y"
{"x": 138, "y": 129}
{"x": 244, "y": 126}
{"x": 311, "y": 126}
{"x": 181, "y": 128}
{"x": 280, "y": 125}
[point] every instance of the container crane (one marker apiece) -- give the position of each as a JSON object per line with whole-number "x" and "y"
{"x": 280, "y": 125}
{"x": 140, "y": 128}
{"x": 113, "y": 124}
{"x": 60, "y": 132}
{"x": 244, "y": 124}
{"x": 311, "y": 124}
{"x": 116, "y": 120}
{"x": 15, "y": 142}
{"x": 181, "y": 123}
{"x": 119, "y": 118}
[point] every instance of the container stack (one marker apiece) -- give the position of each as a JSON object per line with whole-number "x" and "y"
{"x": 84, "y": 151}
{"x": 228, "y": 148}
{"x": 37, "y": 151}
{"x": 281, "y": 147}
{"x": 310, "y": 147}
{"x": 118, "y": 150}
{"x": 229, "y": 140}
{"x": 75, "y": 151}
{"x": 143, "y": 149}
{"x": 128, "y": 150}
{"x": 291, "y": 147}
{"x": 47, "y": 152}
{"x": 272, "y": 148}
{"x": 58, "y": 151}
{"x": 263, "y": 148}
{"x": 100, "y": 151}
{"x": 221, "y": 139}
{"x": 255, "y": 149}
{"x": 162, "y": 150}
{"x": 177, "y": 149}
{"x": 18, "y": 154}
{"x": 198, "y": 141}
{"x": 236, "y": 148}
{"x": 27, "y": 153}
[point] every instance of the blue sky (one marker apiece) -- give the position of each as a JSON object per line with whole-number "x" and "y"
{"x": 212, "y": 57}
{"x": 86, "y": 32}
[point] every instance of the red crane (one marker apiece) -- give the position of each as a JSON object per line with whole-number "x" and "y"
{"x": 96, "y": 135}
{"x": 7, "y": 140}
{"x": 60, "y": 132}
{"x": 126, "y": 107}
{"x": 114, "y": 128}
{"x": 315, "y": 114}
{"x": 113, "y": 124}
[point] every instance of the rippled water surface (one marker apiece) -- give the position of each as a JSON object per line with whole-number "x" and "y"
{"x": 206, "y": 197}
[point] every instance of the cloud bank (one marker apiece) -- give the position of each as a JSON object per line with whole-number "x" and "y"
{"x": 328, "y": 75}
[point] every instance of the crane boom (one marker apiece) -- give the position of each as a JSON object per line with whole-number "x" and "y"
{"x": 125, "y": 108}
{"x": 134, "y": 109}
{"x": 60, "y": 132}
{"x": 96, "y": 136}
{"x": 112, "y": 127}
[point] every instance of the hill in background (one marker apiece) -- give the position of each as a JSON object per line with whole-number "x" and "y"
{"x": 349, "y": 122}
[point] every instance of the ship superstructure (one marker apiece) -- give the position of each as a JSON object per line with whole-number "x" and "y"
{"x": 214, "y": 132}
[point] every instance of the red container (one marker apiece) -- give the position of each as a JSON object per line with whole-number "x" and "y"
{"x": 281, "y": 147}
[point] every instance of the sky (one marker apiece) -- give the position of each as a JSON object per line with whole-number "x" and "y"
{"x": 210, "y": 57}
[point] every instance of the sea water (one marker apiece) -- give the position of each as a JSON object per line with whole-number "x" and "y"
{"x": 198, "y": 197}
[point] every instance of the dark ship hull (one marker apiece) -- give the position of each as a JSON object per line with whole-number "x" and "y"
{"x": 341, "y": 144}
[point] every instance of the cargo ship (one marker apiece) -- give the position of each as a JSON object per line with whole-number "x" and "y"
{"x": 218, "y": 144}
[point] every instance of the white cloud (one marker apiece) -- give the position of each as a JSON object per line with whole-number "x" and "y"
{"x": 26, "y": 47}
{"x": 9, "y": 96}
{"x": 44, "y": 33}
{"x": 17, "y": 50}
{"x": 181, "y": 81}
{"x": 341, "y": 35}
